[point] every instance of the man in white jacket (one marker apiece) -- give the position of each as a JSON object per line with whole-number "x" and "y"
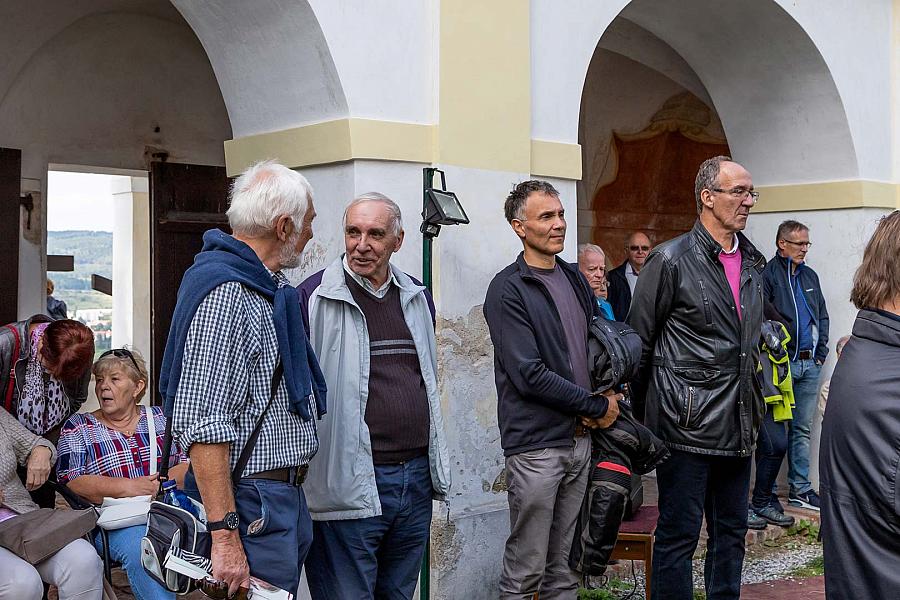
{"x": 382, "y": 452}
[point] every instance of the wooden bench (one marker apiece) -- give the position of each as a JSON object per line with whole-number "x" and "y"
{"x": 635, "y": 541}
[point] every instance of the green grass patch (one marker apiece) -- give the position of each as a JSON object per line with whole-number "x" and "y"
{"x": 806, "y": 529}
{"x": 813, "y": 568}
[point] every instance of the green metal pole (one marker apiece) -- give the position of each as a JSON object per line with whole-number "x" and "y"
{"x": 425, "y": 574}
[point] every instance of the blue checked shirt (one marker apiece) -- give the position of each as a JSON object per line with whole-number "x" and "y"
{"x": 229, "y": 356}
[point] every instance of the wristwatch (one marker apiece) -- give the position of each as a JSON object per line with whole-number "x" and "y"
{"x": 229, "y": 521}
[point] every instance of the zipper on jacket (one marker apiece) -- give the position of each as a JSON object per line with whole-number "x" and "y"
{"x": 796, "y": 312}
{"x": 688, "y": 406}
{"x": 706, "y": 309}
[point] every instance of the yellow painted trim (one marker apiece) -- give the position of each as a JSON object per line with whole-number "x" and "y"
{"x": 333, "y": 141}
{"x": 555, "y": 159}
{"x": 485, "y": 85}
{"x": 828, "y": 195}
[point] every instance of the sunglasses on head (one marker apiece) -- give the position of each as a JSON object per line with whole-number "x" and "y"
{"x": 122, "y": 353}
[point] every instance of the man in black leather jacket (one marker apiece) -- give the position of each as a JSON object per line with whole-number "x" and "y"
{"x": 698, "y": 308}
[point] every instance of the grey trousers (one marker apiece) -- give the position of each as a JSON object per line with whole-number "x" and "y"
{"x": 546, "y": 489}
{"x": 76, "y": 570}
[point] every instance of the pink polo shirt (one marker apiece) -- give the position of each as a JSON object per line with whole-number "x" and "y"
{"x": 731, "y": 261}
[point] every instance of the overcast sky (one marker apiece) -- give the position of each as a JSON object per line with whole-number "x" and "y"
{"x": 79, "y": 201}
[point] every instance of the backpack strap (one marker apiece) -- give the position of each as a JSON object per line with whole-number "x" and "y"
{"x": 7, "y": 401}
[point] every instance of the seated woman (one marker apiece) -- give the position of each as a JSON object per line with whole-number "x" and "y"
{"x": 106, "y": 453}
{"x": 49, "y": 380}
{"x": 76, "y": 569}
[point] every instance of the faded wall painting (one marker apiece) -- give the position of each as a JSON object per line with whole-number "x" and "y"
{"x": 648, "y": 179}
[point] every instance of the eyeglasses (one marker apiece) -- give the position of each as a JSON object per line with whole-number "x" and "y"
{"x": 740, "y": 193}
{"x": 798, "y": 244}
{"x": 122, "y": 353}
{"x": 641, "y": 248}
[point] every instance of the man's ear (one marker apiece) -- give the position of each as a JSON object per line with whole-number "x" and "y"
{"x": 284, "y": 227}
{"x": 706, "y": 198}
{"x": 399, "y": 241}
{"x": 519, "y": 227}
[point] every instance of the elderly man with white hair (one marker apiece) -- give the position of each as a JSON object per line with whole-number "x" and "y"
{"x": 592, "y": 264}
{"x": 384, "y": 455}
{"x": 237, "y": 335}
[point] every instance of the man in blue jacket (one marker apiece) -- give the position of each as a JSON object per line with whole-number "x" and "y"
{"x": 793, "y": 288}
{"x": 538, "y": 310}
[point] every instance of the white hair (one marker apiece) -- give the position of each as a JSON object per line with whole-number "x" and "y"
{"x": 262, "y": 194}
{"x": 396, "y": 218}
{"x": 585, "y": 248}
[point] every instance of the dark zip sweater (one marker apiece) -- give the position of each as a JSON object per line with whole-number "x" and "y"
{"x": 778, "y": 289}
{"x": 537, "y": 399}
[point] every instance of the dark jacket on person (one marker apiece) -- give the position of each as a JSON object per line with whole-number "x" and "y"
{"x": 619, "y": 294}
{"x": 697, "y": 379}
{"x": 778, "y": 289}
{"x": 76, "y": 391}
{"x": 537, "y": 401}
{"x": 858, "y": 457}
{"x": 57, "y": 309}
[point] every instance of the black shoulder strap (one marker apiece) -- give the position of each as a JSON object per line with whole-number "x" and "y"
{"x": 244, "y": 458}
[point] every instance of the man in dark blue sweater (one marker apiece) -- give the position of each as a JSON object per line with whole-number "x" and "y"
{"x": 538, "y": 310}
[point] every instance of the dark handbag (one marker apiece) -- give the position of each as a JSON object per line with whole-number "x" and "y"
{"x": 176, "y": 542}
{"x": 37, "y": 535}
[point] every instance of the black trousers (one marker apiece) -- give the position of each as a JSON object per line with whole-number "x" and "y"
{"x": 689, "y": 486}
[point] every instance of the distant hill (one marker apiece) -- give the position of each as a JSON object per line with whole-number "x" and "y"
{"x": 93, "y": 254}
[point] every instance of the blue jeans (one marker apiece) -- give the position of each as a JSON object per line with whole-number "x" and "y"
{"x": 689, "y": 485}
{"x": 805, "y": 375}
{"x": 125, "y": 548}
{"x": 770, "y": 449}
{"x": 276, "y": 551}
{"x": 378, "y": 557}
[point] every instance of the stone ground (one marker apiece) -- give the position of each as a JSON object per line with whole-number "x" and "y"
{"x": 771, "y": 557}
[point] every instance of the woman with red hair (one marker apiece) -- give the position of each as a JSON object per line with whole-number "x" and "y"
{"x": 45, "y": 371}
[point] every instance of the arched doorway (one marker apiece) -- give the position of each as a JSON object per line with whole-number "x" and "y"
{"x": 670, "y": 84}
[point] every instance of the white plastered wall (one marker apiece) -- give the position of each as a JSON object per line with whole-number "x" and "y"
{"x": 94, "y": 94}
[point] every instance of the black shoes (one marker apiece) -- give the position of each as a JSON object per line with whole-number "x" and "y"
{"x": 754, "y": 521}
{"x": 769, "y": 514}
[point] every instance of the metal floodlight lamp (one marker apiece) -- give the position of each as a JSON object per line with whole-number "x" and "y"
{"x": 441, "y": 207}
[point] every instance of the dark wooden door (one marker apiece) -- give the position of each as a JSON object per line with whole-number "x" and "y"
{"x": 185, "y": 201}
{"x": 10, "y": 186}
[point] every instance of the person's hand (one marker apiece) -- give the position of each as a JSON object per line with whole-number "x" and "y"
{"x": 144, "y": 486}
{"x": 612, "y": 410}
{"x": 37, "y": 467}
{"x": 229, "y": 563}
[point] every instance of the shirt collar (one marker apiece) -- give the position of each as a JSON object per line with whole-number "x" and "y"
{"x": 278, "y": 276}
{"x": 734, "y": 247}
{"x": 366, "y": 284}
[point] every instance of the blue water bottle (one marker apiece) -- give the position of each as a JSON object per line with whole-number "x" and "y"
{"x": 175, "y": 497}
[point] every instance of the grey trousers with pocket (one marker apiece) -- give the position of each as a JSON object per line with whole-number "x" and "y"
{"x": 546, "y": 488}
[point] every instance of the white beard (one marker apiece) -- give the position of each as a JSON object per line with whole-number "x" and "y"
{"x": 288, "y": 257}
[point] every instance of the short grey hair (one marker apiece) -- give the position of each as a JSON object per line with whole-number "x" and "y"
{"x": 263, "y": 193}
{"x": 585, "y": 248}
{"x": 514, "y": 207}
{"x": 708, "y": 177}
{"x": 393, "y": 209}
{"x": 789, "y": 226}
